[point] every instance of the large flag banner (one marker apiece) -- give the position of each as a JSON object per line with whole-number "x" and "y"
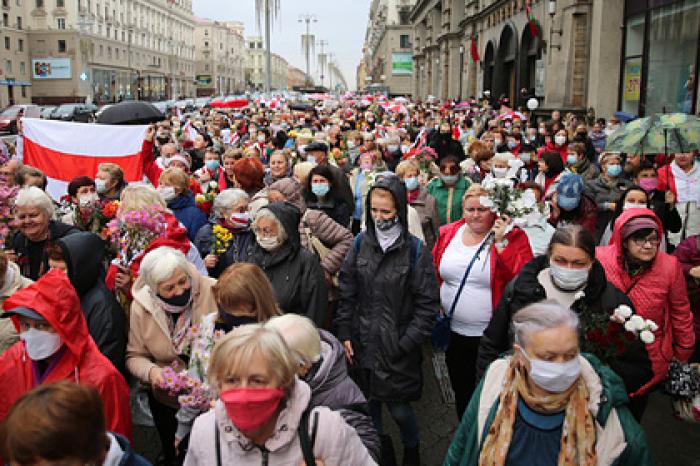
{"x": 65, "y": 150}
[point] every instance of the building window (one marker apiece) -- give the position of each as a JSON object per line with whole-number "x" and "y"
{"x": 22, "y": 68}
{"x": 61, "y": 46}
{"x": 40, "y": 3}
{"x": 8, "y": 66}
{"x": 102, "y": 50}
{"x": 61, "y": 23}
{"x": 20, "y": 45}
{"x": 7, "y": 43}
{"x": 19, "y": 22}
{"x": 24, "y": 91}
{"x": 60, "y": 3}
{"x": 6, "y": 20}
{"x": 405, "y": 41}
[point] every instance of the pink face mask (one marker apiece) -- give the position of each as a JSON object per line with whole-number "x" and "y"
{"x": 649, "y": 184}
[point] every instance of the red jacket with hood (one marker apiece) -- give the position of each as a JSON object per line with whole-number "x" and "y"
{"x": 504, "y": 265}
{"x": 54, "y": 298}
{"x": 659, "y": 294}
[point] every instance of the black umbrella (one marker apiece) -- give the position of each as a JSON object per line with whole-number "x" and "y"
{"x": 302, "y": 107}
{"x": 131, "y": 113}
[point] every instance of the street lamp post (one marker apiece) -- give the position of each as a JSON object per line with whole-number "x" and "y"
{"x": 307, "y": 42}
{"x": 461, "y": 70}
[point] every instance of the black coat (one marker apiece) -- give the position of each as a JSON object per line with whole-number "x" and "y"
{"x": 295, "y": 273}
{"x": 32, "y": 258}
{"x": 239, "y": 249}
{"x": 600, "y": 297}
{"x": 337, "y": 209}
{"x": 388, "y": 304}
{"x": 445, "y": 148}
{"x": 83, "y": 253}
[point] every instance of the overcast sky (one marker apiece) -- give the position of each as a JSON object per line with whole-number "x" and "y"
{"x": 343, "y": 28}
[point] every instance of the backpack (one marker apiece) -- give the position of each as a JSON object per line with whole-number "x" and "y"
{"x": 416, "y": 248}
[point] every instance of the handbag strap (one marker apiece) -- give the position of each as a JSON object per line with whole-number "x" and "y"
{"x": 218, "y": 443}
{"x": 466, "y": 274}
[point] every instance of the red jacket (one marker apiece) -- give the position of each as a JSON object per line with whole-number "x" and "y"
{"x": 150, "y": 167}
{"x": 504, "y": 266}
{"x": 666, "y": 179}
{"x": 54, "y": 298}
{"x": 688, "y": 254}
{"x": 551, "y": 147}
{"x": 658, "y": 294}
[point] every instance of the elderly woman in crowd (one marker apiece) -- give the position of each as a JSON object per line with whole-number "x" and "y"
{"x": 654, "y": 282}
{"x": 34, "y": 213}
{"x": 173, "y": 186}
{"x": 548, "y": 404}
{"x": 243, "y": 296}
{"x": 279, "y": 167}
{"x": 418, "y": 198}
{"x": 361, "y": 178}
{"x": 448, "y": 190}
{"x": 170, "y": 296}
{"x": 295, "y": 273}
{"x": 109, "y": 181}
{"x": 323, "y": 367}
{"x": 229, "y": 212}
{"x": 472, "y": 273}
{"x": 607, "y": 189}
{"x": 264, "y": 411}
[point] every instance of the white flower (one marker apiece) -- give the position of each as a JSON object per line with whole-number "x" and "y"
{"x": 488, "y": 183}
{"x": 529, "y": 199}
{"x": 504, "y": 182}
{"x": 630, "y": 327}
{"x": 624, "y": 311}
{"x": 651, "y": 325}
{"x": 647, "y": 337}
{"x": 638, "y": 322}
{"x": 213, "y": 184}
{"x": 579, "y": 295}
{"x": 486, "y": 201}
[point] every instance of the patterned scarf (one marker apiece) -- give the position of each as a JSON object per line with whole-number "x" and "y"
{"x": 180, "y": 328}
{"x": 578, "y": 434}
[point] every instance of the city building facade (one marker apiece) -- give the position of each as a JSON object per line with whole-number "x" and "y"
{"x": 256, "y": 66}
{"x": 387, "y": 52}
{"x": 295, "y": 77}
{"x": 220, "y": 52}
{"x": 15, "y": 69}
{"x": 566, "y": 53}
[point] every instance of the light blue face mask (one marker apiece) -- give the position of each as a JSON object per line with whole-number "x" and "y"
{"x": 411, "y": 183}
{"x": 320, "y": 189}
{"x": 449, "y": 179}
{"x": 571, "y": 159}
{"x": 614, "y": 170}
{"x": 212, "y": 165}
{"x": 311, "y": 158}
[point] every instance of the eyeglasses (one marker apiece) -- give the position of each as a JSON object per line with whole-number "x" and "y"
{"x": 269, "y": 232}
{"x": 641, "y": 242}
{"x": 481, "y": 210}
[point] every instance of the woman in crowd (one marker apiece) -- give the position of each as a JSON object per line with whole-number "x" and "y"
{"x": 229, "y": 211}
{"x": 383, "y": 337}
{"x": 279, "y": 168}
{"x": 109, "y": 181}
{"x": 448, "y": 190}
{"x": 548, "y": 404}
{"x": 571, "y": 205}
{"x": 634, "y": 197}
{"x": 472, "y": 272}
{"x": 361, "y": 179}
{"x": 551, "y": 169}
{"x": 173, "y": 186}
{"x": 654, "y": 282}
{"x": 295, "y": 273}
{"x": 35, "y": 213}
{"x": 170, "y": 296}
{"x": 578, "y": 162}
{"x": 226, "y": 177}
{"x": 688, "y": 254}
{"x": 478, "y": 164}
{"x": 248, "y": 175}
{"x": 262, "y": 413}
{"x": 569, "y": 274}
{"x": 243, "y": 295}
{"x": 83, "y": 203}
{"x": 320, "y": 193}
{"x": 419, "y": 199}
{"x": 607, "y": 189}
{"x": 662, "y": 202}
{"x": 323, "y": 367}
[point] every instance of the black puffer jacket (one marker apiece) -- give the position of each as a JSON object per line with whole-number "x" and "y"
{"x": 388, "y": 304}
{"x": 106, "y": 321}
{"x": 295, "y": 273}
{"x": 238, "y": 250}
{"x": 600, "y": 297}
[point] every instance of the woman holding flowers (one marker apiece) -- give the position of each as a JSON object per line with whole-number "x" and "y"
{"x": 243, "y": 296}
{"x": 227, "y": 238}
{"x": 470, "y": 294}
{"x": 170, "y": 297}
{"x": 655, "y": 284}
{"x": 173, "y": 186}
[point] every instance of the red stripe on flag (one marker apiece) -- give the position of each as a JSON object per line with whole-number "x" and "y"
{"x": 65, "y": 167}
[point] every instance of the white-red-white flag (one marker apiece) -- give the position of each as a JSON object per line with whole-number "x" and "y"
{"x": 65, "y": 150}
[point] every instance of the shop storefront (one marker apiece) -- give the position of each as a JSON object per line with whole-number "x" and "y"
{"x": 661, "y": 50}
{"x": 112, "y": 85}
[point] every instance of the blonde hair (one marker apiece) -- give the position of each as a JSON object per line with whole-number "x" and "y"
{"x": 31, "y": 196}
{"x": 302, "y": 170}
{"x": 233, "y": 154}
{"x": 114, "y": 171}
{"x": 406, "y": 166}
{"x": 234, "y": 354}
{"x": 244, "y": 284}
{"x": 175, "y": 177}
{"x": 301, "y": 335}
{"x": 138, "y": 196}
{"x": 475, "y": 190}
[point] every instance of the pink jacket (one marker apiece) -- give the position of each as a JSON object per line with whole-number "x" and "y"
{"x": 658, "y": 294}
{"x": 336, "y": 442}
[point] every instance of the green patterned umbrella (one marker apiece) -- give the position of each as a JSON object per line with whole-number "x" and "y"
{"x": 667, "y": 133}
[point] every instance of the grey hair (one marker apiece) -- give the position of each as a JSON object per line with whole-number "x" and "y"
{"x": 545, "y": 315}
{"x": 268, "y": 214}
{"x": 160, "y": 264}
{"x": 32, "y": 196}
{"x": 226, "y": 200}
{"x": 300, "y": 334}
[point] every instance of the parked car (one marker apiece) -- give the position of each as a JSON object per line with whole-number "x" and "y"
{"x": 47, "y": 111}
{"x": 74, "y": 112}
{"x": 9, "y": 116}
{"x": 101, "y": 109}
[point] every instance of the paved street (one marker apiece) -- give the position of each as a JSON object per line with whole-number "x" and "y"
{"x": 673, "y": 443}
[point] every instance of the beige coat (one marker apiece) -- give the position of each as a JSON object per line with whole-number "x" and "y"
{"x": 150, "y": 342}
{"x": 8, "y": 333}
{"x": 337, "y": 444}
{"x": 334, "y": 236}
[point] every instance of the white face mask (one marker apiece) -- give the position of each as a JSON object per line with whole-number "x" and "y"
{"x": 351, "y": 144}
{"x": 39, "y": 344}
{"x": 568, "y": 279}
{"x": 559, "y": 140}
{"x": 261, "y": 138}
{"x": 392, "y": 147}
{"x": 630, "y": 205}
{"x": 87, "y": 200}
{"x": 167, "y": 193}
{"x": 267, "y": 243}
{"x": 499, "y": 172}
{"x": 554, "y": 377}
{"x": 100, "y": 186}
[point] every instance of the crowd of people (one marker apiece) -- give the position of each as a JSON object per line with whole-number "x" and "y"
{"x": 272, "y": 287}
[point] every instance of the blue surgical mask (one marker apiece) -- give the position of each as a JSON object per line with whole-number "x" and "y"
{"x": 320, "y": 189}
{"x": 449, "y": 179}
{"x": 571, "y": 159}
{"x": 411, "y": 183}
{"x": 512, "y": 144}
{"x": 311, "y": 159}
{"x": 212, "y": 165}
{"x": 614, "y": 170}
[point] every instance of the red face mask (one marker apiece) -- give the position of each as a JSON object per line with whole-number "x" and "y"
{"x": 251, "y": 408}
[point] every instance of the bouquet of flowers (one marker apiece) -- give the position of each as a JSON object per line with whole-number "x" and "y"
{"x": 504, "y": 198}
{"x": 425, "y": 156}
{"x": 190, "y": 392}
{"x": 135, "y": 230}
{"x": 7, "y": 217}
{"x": 221, "y": 239}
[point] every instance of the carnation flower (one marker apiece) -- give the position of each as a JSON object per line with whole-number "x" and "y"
{"x": 651, "y": 325}
{"x": 638, "y": 322}
{"x": 624, "y": 311}
{"x": 647, "y": 337}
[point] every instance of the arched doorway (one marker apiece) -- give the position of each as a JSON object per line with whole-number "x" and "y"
{"x": 489, "y": 66}
{"x": 506, "y": 77}
{"x": 530, "y": 52}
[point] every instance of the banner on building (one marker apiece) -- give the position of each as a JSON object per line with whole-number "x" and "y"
{"x": 402, "y": 64}
{"x": 65, "y": 150}
{"x": 51, "y": 68}
{"x": 633, "y": 79}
